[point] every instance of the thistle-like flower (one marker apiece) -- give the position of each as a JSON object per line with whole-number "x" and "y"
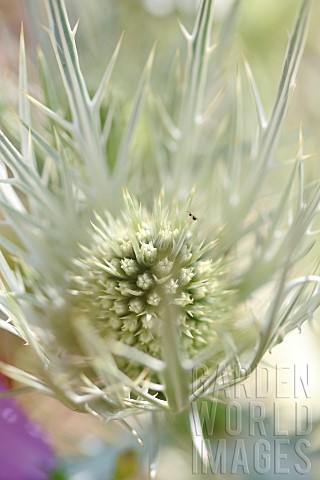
{"x": 121, "y": 298}
{"x": 136, "y": 267}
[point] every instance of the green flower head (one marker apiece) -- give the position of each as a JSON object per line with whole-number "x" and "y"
{"x": 136, "y": 266}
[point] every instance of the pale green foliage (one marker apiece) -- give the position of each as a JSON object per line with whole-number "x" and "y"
{"x": 68, "y": 176}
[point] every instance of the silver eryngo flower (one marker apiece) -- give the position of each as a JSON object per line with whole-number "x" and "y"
{"x": 133, "y": 268}
{"x": 120, "y": 297}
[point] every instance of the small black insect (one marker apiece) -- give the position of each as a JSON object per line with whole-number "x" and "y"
{"x": 192, "y": 216}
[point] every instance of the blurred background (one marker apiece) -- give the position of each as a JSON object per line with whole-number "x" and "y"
{"x": 85, "y": 448}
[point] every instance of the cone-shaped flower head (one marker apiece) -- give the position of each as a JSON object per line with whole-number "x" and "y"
{"x": 138, "y": 265}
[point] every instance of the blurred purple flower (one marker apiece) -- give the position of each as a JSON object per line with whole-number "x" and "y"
{"x": 24, "y": 451}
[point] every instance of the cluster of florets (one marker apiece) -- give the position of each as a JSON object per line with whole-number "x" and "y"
{"x": 133, "y": 270}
